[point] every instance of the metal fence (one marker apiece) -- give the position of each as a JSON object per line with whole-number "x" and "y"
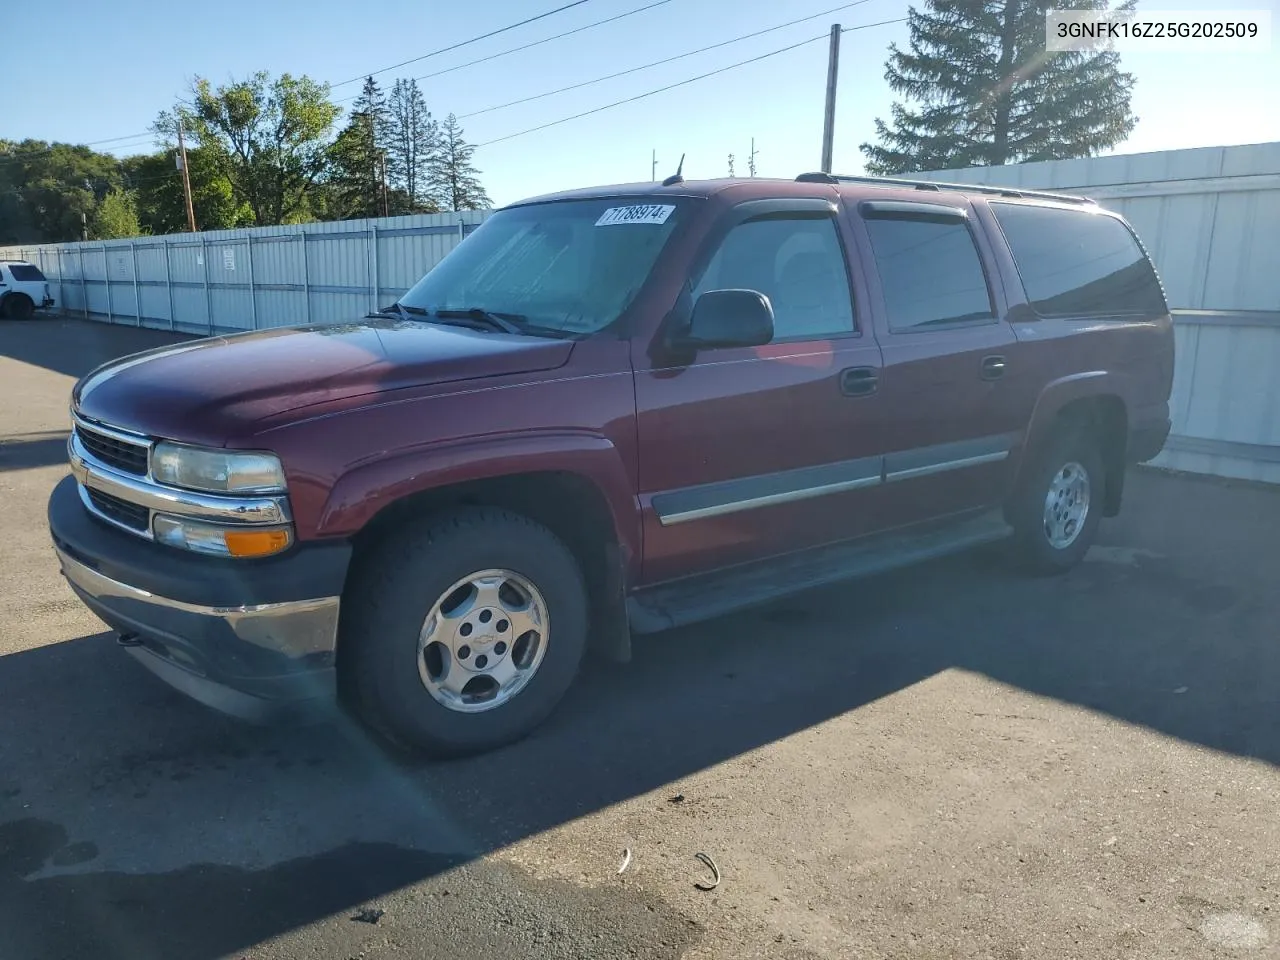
{"x": 1210, "y": 218}
{"x": 228, "y": 280}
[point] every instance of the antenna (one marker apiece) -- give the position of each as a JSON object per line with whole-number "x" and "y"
{"x": 676, "y": 177}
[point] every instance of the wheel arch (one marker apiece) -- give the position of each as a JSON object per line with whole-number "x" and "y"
{"x": 576, "y": 497}
{"x": 1093, "y": 402}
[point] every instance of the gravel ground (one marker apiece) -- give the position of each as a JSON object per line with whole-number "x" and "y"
{"x": 951, "y": 762}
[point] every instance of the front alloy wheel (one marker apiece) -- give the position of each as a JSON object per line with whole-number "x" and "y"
{"x": 483, "y": 641}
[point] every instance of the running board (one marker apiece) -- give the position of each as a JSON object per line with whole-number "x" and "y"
{"x": 706, "y": 596}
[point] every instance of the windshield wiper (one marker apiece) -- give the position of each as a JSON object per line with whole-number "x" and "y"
{"x": 496, "y": 321}
{"x": 398, "y": 309}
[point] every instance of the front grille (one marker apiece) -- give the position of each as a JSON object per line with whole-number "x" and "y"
{"x": 120, "y": 454}
{"x": 127, "y": 514}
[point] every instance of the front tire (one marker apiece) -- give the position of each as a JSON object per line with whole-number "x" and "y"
{"x": 1057, "y": 509}
{"x": 463, "y": 632}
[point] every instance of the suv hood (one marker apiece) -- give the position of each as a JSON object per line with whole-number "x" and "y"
{"x": 211, "y": 391}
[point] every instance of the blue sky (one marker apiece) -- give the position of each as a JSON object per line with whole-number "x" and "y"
{"x": 104, "y": 70}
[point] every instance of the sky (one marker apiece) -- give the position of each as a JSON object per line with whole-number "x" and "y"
{"x": 104, "y": 70}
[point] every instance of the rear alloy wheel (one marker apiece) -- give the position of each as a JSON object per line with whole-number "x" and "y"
{"x": 18, "y": 306}
{"x": 1056, "y": 512}
{"x": 462, "y": 632}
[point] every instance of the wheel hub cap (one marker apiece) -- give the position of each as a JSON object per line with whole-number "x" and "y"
{"x": 483, "y": 641}
{"x": 1066, "y": 505}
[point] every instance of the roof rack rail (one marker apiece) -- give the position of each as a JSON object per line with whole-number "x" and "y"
{"x": 936, "y": 185}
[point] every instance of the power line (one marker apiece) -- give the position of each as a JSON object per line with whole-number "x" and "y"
{"x": 463, "y": 43}
{"x": 681, "y": 83}
{"x": 650, "y": 93}
{"x": 149, "y": 137}
{"x": 658, "y": 63}
{"x": 535, "y": 43}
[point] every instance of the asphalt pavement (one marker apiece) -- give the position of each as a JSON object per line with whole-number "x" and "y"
{"x": 950, "y": 761}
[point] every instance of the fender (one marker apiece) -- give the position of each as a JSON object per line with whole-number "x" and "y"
{"x": 368, "y": 487}
{"x": 1056, "y": 395}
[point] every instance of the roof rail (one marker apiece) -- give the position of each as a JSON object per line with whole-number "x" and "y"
{"x": 936, "y": 185}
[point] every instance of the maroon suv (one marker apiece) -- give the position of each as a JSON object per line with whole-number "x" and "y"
{"x": 609, "y": 412}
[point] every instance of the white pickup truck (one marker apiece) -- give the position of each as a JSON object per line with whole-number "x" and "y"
{"x": 23, "y": 288}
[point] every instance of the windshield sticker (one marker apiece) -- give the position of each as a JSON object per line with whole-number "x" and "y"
{"x": 642, "y": 213}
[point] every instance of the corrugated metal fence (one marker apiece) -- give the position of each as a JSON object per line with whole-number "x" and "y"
{"x": 1211, "y": 220}
{"x": 228, "y": 280}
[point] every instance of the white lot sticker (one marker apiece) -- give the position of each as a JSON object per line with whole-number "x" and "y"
{"x": 641, "y": 213}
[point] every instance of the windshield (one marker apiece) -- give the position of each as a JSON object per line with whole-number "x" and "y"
{"x": 570, "y": 266}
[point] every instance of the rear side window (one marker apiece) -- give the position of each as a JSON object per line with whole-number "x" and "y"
{"x": 930, "y": 273}
{"x": 25, "y": 271}
{"x": 1077, "y": 263}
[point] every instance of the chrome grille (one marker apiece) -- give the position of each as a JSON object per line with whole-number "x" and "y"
{"x": 127, "y": 514}
{"x": 114, "y": 452}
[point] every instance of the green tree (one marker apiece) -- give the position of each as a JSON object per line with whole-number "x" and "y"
{"x": 357, "y": 156}
{"x": 115, "y": 216}
{"x": 269, "y": 138}
{"x": 412, "y": 143}
{"x": 981, "y": 89}
{"x": 455, "y": 182}
{"x": 49, "y": 190}
{"x": 157, "y": 184}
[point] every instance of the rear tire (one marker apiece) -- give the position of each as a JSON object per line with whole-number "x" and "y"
{"x": 423, "y": 614}
{"x": 18, "y": 306}
{"x": 1056, "y": 512}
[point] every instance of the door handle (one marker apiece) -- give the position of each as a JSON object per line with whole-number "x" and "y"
{"x": 992, "y": 368}
{"x": 859, "y": 381}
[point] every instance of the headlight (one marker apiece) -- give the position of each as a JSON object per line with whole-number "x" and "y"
{"x": 219, "y": 540}
{"x": 217, "y": 471}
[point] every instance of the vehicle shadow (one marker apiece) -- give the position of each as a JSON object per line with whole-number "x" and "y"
{"x": 224, "y": 835}
{"x": 74, "y": 347}
{"x": 25, "y": 450}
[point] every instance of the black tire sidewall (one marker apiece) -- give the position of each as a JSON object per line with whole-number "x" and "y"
{"x": 422, "y": 565}
{"x": 1034, "y": 549}
{"x": 19, "y": 306}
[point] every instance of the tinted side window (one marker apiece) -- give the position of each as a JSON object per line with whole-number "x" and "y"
{"x": 1077, "y": 263}
{"x": 25, "y": 271}
{"x": 930, "y": 273}
{"x": 798, "y": 264}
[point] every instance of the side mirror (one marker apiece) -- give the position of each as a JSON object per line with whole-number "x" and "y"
{"x": 729, "y": 318}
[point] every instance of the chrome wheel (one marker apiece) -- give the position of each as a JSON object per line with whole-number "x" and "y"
{"x": 483, "y": 641}
{"x": 1066, "y": 505}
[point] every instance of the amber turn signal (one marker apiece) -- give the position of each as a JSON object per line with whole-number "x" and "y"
{"x": 255, "y": 543}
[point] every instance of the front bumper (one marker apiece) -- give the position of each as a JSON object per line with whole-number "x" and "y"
{"x": 252, "y": 638}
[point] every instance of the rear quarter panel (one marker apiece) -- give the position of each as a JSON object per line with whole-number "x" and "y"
{"x": 1068, "y": 359}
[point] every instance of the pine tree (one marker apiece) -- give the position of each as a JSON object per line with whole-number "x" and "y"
{"x": 981, "y": 89}
{"x": 413, "y": 139}
{"x": 357, "y": 153}
{"x": 455, "y": 182}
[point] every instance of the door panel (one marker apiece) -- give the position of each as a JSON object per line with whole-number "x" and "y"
{"x": 749, "y": 452}
{"x": 952, "y": 383}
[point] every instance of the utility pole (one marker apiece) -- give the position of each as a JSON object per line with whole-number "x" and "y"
{"x": 829, "y": 119}
{"x": 653, "y": 168}
{"x": 382, "y": 159}
{"x": 751, "y": 158}
{"x": 186, "y": 178}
